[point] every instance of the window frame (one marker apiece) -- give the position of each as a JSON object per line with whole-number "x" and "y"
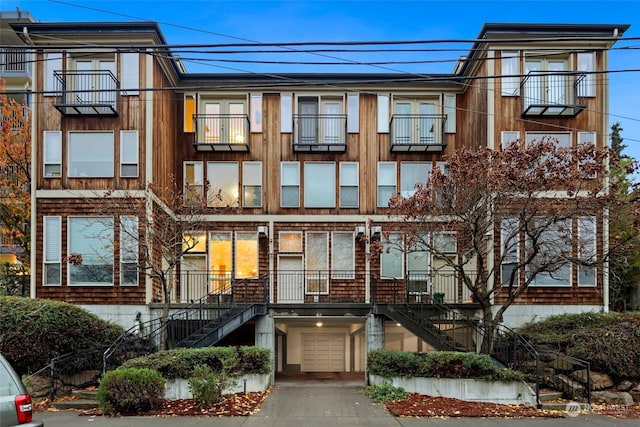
{"x": 256, "y": 239}
{"x": 393, "y": 186}
{"x": 295, "y": 184}
{"x": 282, "y": 249}
{"x": 189, "y": 188}
{"x": 52, "y": 148}
{"x": 567, "y": 266}
{"x": 230, "y": 183}
{"x": 47, "y": 235}
{"x": 343, "y": 273}
{"x": 134, "y": 161}
{"x": 583, "y": 270}
{"x": 345, "y": 185}
{"x": 393, "y": 253}
{"x": 129, "y": 246}
{"x": 405, "y": 171}
{"x": 220, "y": 279}
{"x": 323, "y": 184}
{"x": 109, "y": 253}
{"x": 251, "y": 179}
{"x": 510, "y": 72}
{"x": 322, "y": 274}
{"x": 71, "y": 150}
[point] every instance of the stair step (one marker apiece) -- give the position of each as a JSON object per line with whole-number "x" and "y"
{"x": 75, "y": 404}
{"x": 550, "y": 395}
{"x": 554, "y": 406}
{"x": 85, "y": 394}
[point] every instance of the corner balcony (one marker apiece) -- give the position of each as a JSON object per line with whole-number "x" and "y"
{"x": 222, "y": 132}
{"x": 15, "y": 63}
{"x": 320, "y": 133}
{"x": 87, "y": 93}
{"x": 553, "y": 94}
{"x": 417, "y": 133}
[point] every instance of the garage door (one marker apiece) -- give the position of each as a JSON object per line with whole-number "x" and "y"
{"x": 322, "y": 353}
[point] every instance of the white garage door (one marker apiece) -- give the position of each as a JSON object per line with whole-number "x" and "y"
{"x": 322, "y": 353}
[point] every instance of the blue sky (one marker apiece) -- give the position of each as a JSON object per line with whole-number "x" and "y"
{"x": 207, "y": 21}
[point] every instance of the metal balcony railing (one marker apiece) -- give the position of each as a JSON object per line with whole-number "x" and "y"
{"x": 417, "y": 133}
{"x": 222, "y": 132}
{"x": 15, "y": 62}
{"x": 436, "y": 286}
{"x": 553, "y": 94}
{"x": 320, "y": 133}
{"x": 87, "y": 93}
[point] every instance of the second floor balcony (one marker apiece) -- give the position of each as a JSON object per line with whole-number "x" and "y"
{"x": 553, "y": 94}
{"x": 320, "y": 133}
{"x": 87, "y": 93}
{"x": 417, "y": 133}
{"x": 15, "y": 62}
{"x": 222, "y": 132}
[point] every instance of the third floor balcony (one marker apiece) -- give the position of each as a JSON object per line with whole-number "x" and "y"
{"x": 320, "y": 133}
{"x": 87, "y": 93}
{"x": 222, "y": 132}
{"x": 417, "y": 133}
{"x": 549, "y": 94}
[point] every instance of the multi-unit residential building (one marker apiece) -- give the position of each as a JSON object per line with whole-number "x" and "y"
{"x": 303, "y": 166}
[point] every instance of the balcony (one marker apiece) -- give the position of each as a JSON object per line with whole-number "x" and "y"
{"x": 552, "y": 94}
{"x": 15, "y": 63}
{"x": 87, "y": 93}
{"x": 417, "y": 133}
{"x": 222, "y": 132}
{"x": 320, "y": 133}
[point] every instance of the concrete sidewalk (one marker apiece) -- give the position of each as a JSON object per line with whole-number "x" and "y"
{"x": 318, "y": 405}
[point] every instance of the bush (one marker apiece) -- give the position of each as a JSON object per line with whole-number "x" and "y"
{"x": 610, "y": 342}
{"x": 131, "y": 391}
{"x": 385, "y": 393}
{"x": 180, "y": 363}
{"x": 208, "y": 386}
{"x": 33, "y": 331}
{"x": 441, "y": 364}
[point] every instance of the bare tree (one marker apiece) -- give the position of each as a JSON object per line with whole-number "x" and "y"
{"x": 522, "y": 216}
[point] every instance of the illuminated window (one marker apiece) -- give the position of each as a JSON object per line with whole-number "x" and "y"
{"x": 220, "y": 262}
{"x": 189, "y": 112}
{"x": 290, "y": 241}
{"x": 246, "y": 255}
{"x": 193, "y": 183}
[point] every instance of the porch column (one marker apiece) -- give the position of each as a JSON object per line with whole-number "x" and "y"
{"x": 375, "y": 335}
{"x": 265, "y": 338}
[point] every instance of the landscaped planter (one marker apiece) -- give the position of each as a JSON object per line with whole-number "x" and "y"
{"x": 179, "y": 388}
{"x": 473, "y": 390}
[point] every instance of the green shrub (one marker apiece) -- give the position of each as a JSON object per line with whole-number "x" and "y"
{"x": 131, "y": 391}
{"x": 441, "y": 364}
{"x": 33, "y": 331}
{"x": 609, "y": 341}
{"x": 385, "y": 393}
{"x": 207, "y": 386}
{"x": 180, "y": 363}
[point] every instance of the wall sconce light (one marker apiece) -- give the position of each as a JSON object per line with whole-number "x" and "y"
{"x": 262, "y": 230}
{"x": 359, "y": 231}
{"x": 376, "y": 230}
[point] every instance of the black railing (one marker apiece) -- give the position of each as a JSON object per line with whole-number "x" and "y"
{"x": 553, "y": 94}
{"x": 417, "y": 132}
{"x": 433, "y": 286}
{"x": 87, "y": 92}
{"x": 320, "y": 132}
{"x": 222, "y": 132}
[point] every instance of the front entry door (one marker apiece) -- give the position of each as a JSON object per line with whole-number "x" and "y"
{"x": 290, "y": 279}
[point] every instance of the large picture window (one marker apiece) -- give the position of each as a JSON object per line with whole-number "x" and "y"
{"x": 246, "y": 255}
{"x": 319, "y": 185}
{"x": 91, "y": 155}
{"x": 223, "y": 178}
{"x": 92, "y": 239}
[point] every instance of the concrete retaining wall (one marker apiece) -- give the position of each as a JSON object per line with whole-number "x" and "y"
{"x": 503, "y": 392}
{"x": 179, "y": 388}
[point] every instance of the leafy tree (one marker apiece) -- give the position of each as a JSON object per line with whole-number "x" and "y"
{"x": 625, "y": 256}
{"x": 521, "y": 214}
{"x": 15, "y": 174}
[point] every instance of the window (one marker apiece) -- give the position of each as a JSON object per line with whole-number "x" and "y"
{"x": 547, "y": 82}
{"x": 92, "y": 239}
{"x": 386, "y": 182}
{"x": 129, "y": 153}
{"x": 418, "y": 262}
{"x": 412, "y": 174}
{"x": 445, "y": 243}
{"x": 193, "y": 183}
{"x": 562, "y": 140}
{"x": 52, "y": 250}
{"x": 586, "y": 139}
{"x": 91, "y": 154}
{"x": 349, "y": 185}
{"x": 510, "y": 248}
{"x": 508, "y": 137}
{"x": 290, "y": 241}
{"x": 587, "y": 64}
{"x": 252, "y": 184}
{"x": 342, "y": 255}
{"x": 317, "y": 263}
{"x": 224, "y": 121}
{"x": 189, "y": 124}
{"x": 587, "y": 251}
{"x": 554, "y": 249}
{"x": 93, "y": 80}
{"x": 415, "y": 122}
{"x": 391, "y": 259}
{"x": 246, "y": 255}
{"x": 52, "y": 154}
{"x": 220, "y": 262}
{"x": 319, "y": 185}
{"x": 129, "y": 251}
{"x": 320, "y": 120}
{"x": 510, "y": 71}
{"x": 290, "y": 185}
{"x": 223, "y": 178}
